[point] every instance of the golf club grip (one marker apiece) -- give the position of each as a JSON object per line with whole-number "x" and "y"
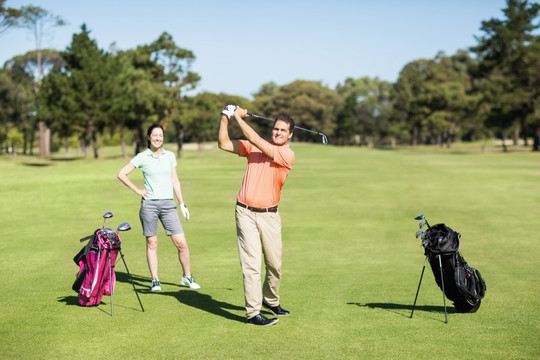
{"x": 260, "y": 117}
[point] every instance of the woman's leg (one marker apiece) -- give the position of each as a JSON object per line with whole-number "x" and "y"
{"x": 179, "y": 240}
{"x": 151, "y": 255}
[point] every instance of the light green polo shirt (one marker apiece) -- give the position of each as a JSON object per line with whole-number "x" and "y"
{"x": 157, "y": 172}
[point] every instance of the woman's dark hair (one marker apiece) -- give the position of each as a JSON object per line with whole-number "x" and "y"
{"x": 150, "y": 129}
{"x": 288, "y": 120}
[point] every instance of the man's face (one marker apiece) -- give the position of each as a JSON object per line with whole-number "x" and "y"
{"x": 281, "y": 133}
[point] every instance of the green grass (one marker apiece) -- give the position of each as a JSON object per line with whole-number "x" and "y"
{"x": 351, "y": 260}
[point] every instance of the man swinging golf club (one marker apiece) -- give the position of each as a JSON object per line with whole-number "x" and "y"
{"x": 258, "y": 223}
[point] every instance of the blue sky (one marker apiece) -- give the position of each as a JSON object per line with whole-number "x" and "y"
{"x": 241, "y": 45}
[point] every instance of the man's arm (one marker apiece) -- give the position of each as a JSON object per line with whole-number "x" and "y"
{"x": 251, "y": 135}
{"x": 224, "y": 141}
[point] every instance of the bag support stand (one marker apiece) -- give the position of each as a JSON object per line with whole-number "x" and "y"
{"x": 442, "y": 283}
{"x": 130, "y": 279}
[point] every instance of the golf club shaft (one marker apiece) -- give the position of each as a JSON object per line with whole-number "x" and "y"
{"x": 325, "y": 139}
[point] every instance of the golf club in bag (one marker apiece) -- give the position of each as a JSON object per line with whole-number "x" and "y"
{"x": 96, "y": 261}
{"x": 458, "y": 281}
{"x": 324, "y": 138}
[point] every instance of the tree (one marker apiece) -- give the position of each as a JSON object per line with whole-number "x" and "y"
{"x": 532, "y": 73}
{"x": 39, "y": 21}
{"x": 74, "y": 97}
{"x": 364, "y": 116}
{"x": 16, "y": 102}
{"x": 505, "y": 53}
{"x": 176, "y": 77}
{"x": 139, "y": 94}
{"x": 8, "y": 17}
{"x": 25, "y": 68}
{"x": 433, "y": 98}
{"x": 409, "y": 109}
{"x": 202, "y": 113}
{"x": 309, "y": 103}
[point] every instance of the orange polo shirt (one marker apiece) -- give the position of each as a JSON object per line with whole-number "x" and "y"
{"x": 264, "y": 177}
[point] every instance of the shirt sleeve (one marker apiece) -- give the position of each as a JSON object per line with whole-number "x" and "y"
{"x": 173, "y": 159}
{"x": 244, "y": 148}
{"x": 136, "y": 161}
{"x": 284, "y": 156}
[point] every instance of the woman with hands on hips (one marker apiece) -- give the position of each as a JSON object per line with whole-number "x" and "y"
{"x": 161, "y": 184}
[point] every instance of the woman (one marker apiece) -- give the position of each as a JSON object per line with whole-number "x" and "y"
{"x": 160, "y": 182}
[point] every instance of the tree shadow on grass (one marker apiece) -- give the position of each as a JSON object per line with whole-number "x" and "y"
{"x": 36, "y": 163}
{"x": 398, "y": 308}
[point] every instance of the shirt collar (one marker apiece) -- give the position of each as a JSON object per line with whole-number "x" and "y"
{"x": 150, "y": 153}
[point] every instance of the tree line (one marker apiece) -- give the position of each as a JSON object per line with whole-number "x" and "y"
{"x": 84, "y": 95}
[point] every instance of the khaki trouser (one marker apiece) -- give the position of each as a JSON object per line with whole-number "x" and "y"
{"x": 259, "y": 233}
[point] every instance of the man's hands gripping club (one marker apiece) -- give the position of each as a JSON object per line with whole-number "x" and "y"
{"x": 229, "y": 110}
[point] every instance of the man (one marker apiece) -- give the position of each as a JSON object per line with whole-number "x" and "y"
{"x": 258, "y": 223}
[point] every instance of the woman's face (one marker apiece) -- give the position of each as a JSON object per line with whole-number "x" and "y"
{"x": 156, "y": 138}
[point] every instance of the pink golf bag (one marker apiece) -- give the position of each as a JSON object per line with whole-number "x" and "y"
{"x": 96, "y": 276}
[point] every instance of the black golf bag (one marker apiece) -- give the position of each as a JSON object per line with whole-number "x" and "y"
{"x": 462, "y": 283}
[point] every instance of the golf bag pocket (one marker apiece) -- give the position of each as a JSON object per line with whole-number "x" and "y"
{"x": 80, "y": 260}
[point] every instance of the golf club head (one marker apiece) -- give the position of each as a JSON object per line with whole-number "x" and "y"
{"x": 420, "y": 217}
{"x": 419, "y": 233}
{"x": 421, "y": 225}
{"x": 106, "y": 216}
{"x": 324, "y": 139}
{"x": 123, "y": 227}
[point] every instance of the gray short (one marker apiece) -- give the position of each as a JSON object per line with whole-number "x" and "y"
{"x": 165, "y": 211}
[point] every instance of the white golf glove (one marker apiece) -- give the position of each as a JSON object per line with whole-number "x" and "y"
{"x": 184, "y": 210}
{"x": 229, "y": 110}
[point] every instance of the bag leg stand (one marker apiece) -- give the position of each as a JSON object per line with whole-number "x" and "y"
{"x": 443, "y": 293}
{"x": 110, "y": 283}
{"x": 130, "y": 279}
{"x": 417, "y": 290}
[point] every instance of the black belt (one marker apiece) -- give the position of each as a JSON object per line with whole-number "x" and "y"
{"x": 260, "y": 210}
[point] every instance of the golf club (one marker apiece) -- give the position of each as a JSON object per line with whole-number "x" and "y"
{"x": 123, "y": 227}
{"x": 106, "y": 216}
{"x": 324, "y": 138}
{"x": 425, "y": 222}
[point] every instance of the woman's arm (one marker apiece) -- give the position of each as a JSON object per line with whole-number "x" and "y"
{"x": 178, "y": 192}
{"x": 123, "y": 177}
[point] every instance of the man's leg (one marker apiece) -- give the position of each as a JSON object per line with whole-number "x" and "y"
{"x": 249, "y": 251}
{"x": 270, "y": 226}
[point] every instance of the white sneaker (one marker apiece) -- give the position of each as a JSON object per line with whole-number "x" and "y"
{"x": 189, "y": 281}
{"x": 156, "y": 286}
